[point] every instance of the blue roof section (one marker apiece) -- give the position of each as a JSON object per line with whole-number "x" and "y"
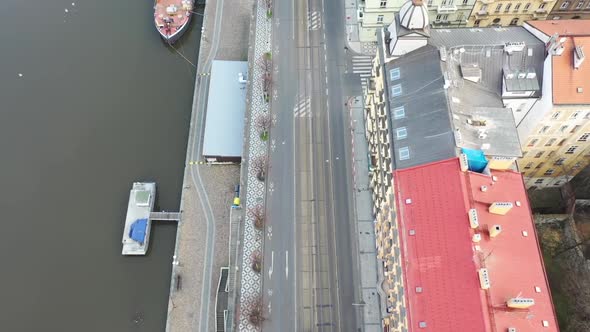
{"x": 226, "y": 108}
{"x": 476, "y": 160}
{"x": 137, "y": 230}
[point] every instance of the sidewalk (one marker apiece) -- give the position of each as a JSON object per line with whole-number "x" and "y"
{"x": 365, "y": 226}
{"x": 352, "y": 30}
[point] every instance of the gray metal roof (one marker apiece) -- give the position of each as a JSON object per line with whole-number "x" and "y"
{"x": 490, "y": 129}
{"x": 226, "y": 106}
{"x": 426, "y": 121}
{"x": 480, "y": 36}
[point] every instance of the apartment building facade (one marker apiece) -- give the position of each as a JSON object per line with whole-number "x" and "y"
{"x": 570, "y": 9}
{"x": 556, "y": 135}
{"x": 375, "y": 14}
{"x": 508, "y": 13}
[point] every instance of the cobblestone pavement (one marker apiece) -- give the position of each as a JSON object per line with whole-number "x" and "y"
{"x": 250, "y": 292}
{"x": 184, "y": 303}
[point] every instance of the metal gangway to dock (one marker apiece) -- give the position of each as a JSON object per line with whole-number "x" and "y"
{"x": 165, "y": 216}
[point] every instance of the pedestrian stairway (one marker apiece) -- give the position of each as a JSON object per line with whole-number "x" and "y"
{"x": 362, "y": 65}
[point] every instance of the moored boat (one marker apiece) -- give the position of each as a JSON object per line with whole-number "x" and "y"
{"x": 172, "y": 18}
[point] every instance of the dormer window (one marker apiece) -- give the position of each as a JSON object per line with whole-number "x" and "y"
{"x": 394, "y": 74}
{"x": 396, "y": 90}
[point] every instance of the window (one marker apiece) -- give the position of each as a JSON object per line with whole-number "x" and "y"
{"x": 555, "y": 115}
{"x": 383, "y": 4}
{"x": 587, "y": 116}
{"x": 539, "y": 181}
{"x": 539, "y": 154}
{"x": 584, "y": 137}
{"x": 394, "y": 74}
{"x": 465, "y": 2}
{"x": 564, "y": 5}
{"x": 549, "y": 172}
{"x": 527, "y": 6}
{"x": 483, "y": 8}
{"x": 577, "y": 165}
{"x": 396, "y": 90}
{"x": 580, "y": 5}
{"x": 559, "y": 162}
{"x": 575, "y": 128}
{"x": 404, "y": 153}
{"x": 476, "y": 23}
{"x": 561, "y": 142}
{"x": 575, "y": 115}
{"x": 540, "y": 165}
{"x": 571, "y": 149}
{"x": 379, "y": 18}
{"x": 533, "y": 142}
{"x": 444, "y": 2}
{"x": 529, "y": 166}
{"x": 445, "y": 17}
{"x": 496, "y": 21}
{"x": 401, "y": 133}
{"x": 588, "y": 6}
{"x": 430, "y": 2}
{"x": 544, "y": 129}
{"x": 515, "y": 22}
{"x": 562, "y": 129}
{"x": 498, "y": 7}
{"x": 517, "y": 7}
{"x": 557, "y": 183}
{"x": 507, "y": 8}
{"x": 550, "y": 154}
{"x": 541, "y": 6}
{"x": 399, "y": 112}
{"x": 551, "y": 142}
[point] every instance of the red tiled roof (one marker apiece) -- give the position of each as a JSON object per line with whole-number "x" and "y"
{"x": 566, "y": 79}
{"x": 562, "y": 27}
{"x": 442, "y": 259}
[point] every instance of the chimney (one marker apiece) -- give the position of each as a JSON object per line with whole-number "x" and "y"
{"x": 558, "y": 47}
{"x": 578, "y": 56}
{"x": 500, "y": 208}
{"x": 495, "y": 230}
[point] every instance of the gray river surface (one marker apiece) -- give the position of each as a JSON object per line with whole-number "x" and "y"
{"x": 101, "y": 103}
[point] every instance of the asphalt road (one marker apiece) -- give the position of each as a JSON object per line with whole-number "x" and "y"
{"x": 310, "y": 280}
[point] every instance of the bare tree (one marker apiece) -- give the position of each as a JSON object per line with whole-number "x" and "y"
{"x": 254, "y": 312}
{"x": 263, "y": 122}
{"x": 256, "y": 261}
{"x": 259, "y": 165}
{"x": 257, "y": 214}
{"x": 266, "y": 64}
{"x": 268, "y": 4}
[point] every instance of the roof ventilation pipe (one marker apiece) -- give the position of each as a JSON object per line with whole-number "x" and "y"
{"x": 495, "y": 230}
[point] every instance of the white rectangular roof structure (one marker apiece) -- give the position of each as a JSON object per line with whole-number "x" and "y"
{"x": 226, "y": 106}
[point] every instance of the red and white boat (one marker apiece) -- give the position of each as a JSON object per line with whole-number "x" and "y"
{"x": 172, "y": 18}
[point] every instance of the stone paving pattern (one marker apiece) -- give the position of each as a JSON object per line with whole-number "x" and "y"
{"x": 250, "y": 280}
{"x": 184, "y": 304}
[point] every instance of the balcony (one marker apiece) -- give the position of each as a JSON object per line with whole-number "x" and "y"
{"x": 541, "y": 11}
{"x": 548, "y": 1}
{"x": 487, "y": 2}
{"x": 482, "y": 13}
{"x": 446, "y": 9}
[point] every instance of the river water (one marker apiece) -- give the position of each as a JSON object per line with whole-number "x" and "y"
{"x": 101, "y": 103}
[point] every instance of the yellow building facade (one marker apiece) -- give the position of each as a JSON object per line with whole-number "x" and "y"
{"x": 558, "y": 147}
{"x": 508, "y": 13}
